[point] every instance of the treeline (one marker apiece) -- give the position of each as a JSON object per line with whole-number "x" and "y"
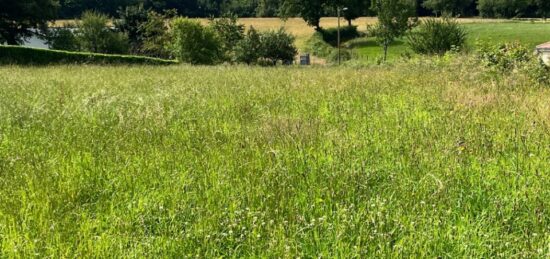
{"x": 273, "y": 8}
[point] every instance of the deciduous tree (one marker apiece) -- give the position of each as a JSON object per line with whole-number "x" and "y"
{"x": 453, "y": 7}
{"x": 18, "y": 18}
{"x": 394, "y": 19}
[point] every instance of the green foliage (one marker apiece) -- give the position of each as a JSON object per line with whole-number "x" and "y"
{"x": 266, "y": 48}
{"x": 195, "y": 44}
{"x": 268, "y": 8}
{"x": 449, "y": 7}
{"x": 19, "y": 17}
{"x": 504, "y": 57}
{"x": 94, "y": 35}
{"x": 538, "y": 72}
{"x": 542, "y": 7}
{"x": 62, "y": 39}
{"x": 345, "y": 55}
{"x": 330, "y": 35}
{"x": 514, "y": 58}
{"x": 147, "y": 30}
{"x": 355, "y": 9}
{"x": 310, "y": 10}
{"x": 393, "y": 20}
{"x": 130, "y": 21}
{"x": 316, "y": 46}
{"x": 502, "y": 8}
{"x": 75, "y": 8}
{"x": 155, "y": 35}
{"x": 249, "y": 49}
{"x": 278, "y": 46}
{"x": 437, "y": 36}
{"x": 31, "y": 56}
{"x": 230, "y": 33}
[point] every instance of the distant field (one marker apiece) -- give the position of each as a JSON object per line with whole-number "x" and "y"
{"x": 423, "y": 160}
{"x": 486, "y": 30}
{"x": 530, "y": 34}
{"x": 302, "y": 31}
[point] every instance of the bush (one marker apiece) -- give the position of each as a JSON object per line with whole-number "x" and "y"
{"x": 316, "y": 46}
{"x": 194, "y": 43}
{"x": 278, "y": 46}
{"x": 229, "y": 32}
{"x": 330, "y": 35}
{"x": 31, "y": 56}
{"x": 513, "y": 58}
{"x": 147, "y": 30}
{"x": 130, "y": 20}
{"x": 435, "y": 36}
{"x": 62, "y": 39}
{"x": 266, "y": 48}
{"x": 94, "y": 35}
{"x": 155, "y": 35}
{"x": 345, "y": 55}
{"x": 505, "y": 56}
{"x": 248, "y": 50}
{"x": 538, "y": 72}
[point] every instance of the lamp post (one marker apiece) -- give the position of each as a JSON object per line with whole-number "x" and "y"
{"x": 338, "y": 43}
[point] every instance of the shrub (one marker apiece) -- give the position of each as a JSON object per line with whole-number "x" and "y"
{"x": 155, "y": 35}
{"x": 194, "y": 43}
{"x": 62, "y": 39}
{"x": 31, "y": 56}
{"x": 229, "y": 32}
{"x": 130, "y": 20}
{"x": 437, "y": 36}
{"x": 248, "y": 50}
{"x": 505, "y": 56}
{"x": 266, "y": 48}
{"x": 147, "y": 30}
{"x": 316, "y": 46}
{"x": 94, "y": 35}
{"x": 330, "y": 35}
{"x": 278, "y": 46}
{"x": 345, "y": 55}
{"x": 538, "y": 72}
{"x": 514, "y": 58}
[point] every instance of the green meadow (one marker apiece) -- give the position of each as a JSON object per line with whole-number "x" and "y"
{"x": 286, "y": 162}
{"x": 530, "y": 34}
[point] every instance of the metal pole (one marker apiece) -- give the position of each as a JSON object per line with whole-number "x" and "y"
{"x": 338, "y": 11}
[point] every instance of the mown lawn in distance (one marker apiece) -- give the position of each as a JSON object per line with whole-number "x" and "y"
{"x": 530, "y": 34}
{"x": 273, "y": 162}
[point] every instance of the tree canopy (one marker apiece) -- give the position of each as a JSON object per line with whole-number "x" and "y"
{"x": 19, "y": 17}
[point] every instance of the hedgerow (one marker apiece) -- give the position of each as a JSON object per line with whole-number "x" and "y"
{"x": 32, "y": 56}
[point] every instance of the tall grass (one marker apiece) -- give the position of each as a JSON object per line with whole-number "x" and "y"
{"x": 250, "y": 162}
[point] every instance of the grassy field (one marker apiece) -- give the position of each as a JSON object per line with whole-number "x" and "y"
{"x": 493, "y": 32}
{"x": 273, "y": 162}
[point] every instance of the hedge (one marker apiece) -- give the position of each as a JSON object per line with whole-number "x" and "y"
{"x": 330, "y": 35}
{"x": 31, "y": 56}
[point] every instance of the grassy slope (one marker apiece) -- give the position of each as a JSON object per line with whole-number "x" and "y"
{"x": 214, "y": 161}
{"x": 530, "y": 34}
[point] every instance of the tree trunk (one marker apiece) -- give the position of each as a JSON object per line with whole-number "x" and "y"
{"x": 385, "y": 52}
{"x": 349, "y": 23}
